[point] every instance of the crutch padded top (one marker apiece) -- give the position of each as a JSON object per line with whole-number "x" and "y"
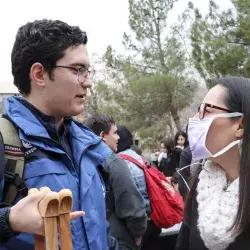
{"x": 49, "y": 206}
{"x": 65, "y": 196}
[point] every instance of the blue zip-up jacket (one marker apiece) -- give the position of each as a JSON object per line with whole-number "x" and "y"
{"x": 47, "y": 164}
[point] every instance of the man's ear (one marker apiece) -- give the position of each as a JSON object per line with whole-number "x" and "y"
{"x": 240, "y": 130}
{"x": 37, "y": 74}
{"x": 102, "y": 135}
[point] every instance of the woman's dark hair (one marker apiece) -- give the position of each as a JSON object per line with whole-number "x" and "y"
{"x": 184, "y": 134}
{"x": 237, "y": 100}
{"x": 42, "y": 41}
{"x": 169, "y": 144}
{"x": 126, "y": 138}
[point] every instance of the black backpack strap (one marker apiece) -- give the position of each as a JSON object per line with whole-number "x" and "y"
{"x": 109, "y": 198}
{"x": 2, "y": 167}
{"x": 103, "y": 174}
{"x": 14, "y": 163}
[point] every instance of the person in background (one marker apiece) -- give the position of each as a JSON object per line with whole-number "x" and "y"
{"x": 218, "y": 206}
{"x": 163, "y": 151}
{"x": 124, "y": 144}
{"x": 169, "y": 165}
{"x": 124, "y": 147}
{"x": 181, "y": 140}
{"x": 125, "y": 205}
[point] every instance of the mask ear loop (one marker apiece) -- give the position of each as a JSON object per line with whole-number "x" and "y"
{"x": 205, "y": 168}
{"x": 180, "y": 169}
{"x": 240, "y": 146}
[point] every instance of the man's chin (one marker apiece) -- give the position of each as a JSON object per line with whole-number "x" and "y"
{"x": 78, "y": 111}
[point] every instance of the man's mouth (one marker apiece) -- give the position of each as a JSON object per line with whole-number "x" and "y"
{"x": 80, "y": 96}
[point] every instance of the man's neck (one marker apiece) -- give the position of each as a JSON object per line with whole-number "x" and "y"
{"x": 38, "y": 105}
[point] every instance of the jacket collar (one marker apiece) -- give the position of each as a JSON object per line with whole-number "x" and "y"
{"x": 48, "y": 122}
{"x": 33, "y": 125}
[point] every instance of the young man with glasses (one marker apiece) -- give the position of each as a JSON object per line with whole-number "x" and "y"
{"x": 51, "y": 69}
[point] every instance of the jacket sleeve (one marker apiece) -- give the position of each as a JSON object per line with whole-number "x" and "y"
{"x": 5, "y": 230}
{"x": 182, "y": 242}
{"x": 129, "y": 204}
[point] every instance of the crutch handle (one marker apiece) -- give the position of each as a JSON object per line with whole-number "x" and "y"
{"x": 49, "y": 206}
{"x": 64, "y": 219}
{"x": 55, "y": 205}
{"x": 49, "y": 209}
{"x": 65, "y": 196}
{"x": 39, "y": 239}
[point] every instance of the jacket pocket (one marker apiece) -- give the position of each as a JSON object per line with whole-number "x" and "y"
{"x": 43, "y": 167}
{"x": 44, "y": 172}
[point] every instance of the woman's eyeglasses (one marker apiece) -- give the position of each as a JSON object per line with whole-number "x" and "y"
{"x": 202, "y": 109}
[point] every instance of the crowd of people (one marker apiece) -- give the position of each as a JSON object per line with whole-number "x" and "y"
{"x": 112, "y": 205}
{"x": 173, "y": 158}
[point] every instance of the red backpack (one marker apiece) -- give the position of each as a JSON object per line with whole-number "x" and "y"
{"x": 167, "y": 205}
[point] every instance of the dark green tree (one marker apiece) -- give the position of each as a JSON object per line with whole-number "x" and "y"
{"x": 221, "y": 41}
{"x": 150, "y": 82}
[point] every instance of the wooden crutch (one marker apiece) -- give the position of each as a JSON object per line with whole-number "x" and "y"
{"x": 49, "y": 210}
{"x": 65, "y": 196}
{"x": 39, "y": 239}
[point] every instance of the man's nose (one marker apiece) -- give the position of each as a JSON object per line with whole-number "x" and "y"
{"x": 88, "y": 82}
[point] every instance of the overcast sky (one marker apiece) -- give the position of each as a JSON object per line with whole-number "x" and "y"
{"x": 104, "y": 20}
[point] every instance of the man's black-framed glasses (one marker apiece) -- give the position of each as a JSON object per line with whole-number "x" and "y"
{"x": 81, "y": 71}
{"x": 202, "y": 109}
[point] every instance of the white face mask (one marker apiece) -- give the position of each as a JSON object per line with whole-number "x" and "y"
{"x": 197, "y": 134}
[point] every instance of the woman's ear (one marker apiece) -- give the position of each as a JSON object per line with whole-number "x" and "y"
{"x": 240, "y": 130}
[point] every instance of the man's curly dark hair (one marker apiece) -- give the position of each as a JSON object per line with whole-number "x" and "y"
{"x": 42, "y": 41}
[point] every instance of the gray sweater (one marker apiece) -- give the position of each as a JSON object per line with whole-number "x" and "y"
{"x": 127, "y": 214}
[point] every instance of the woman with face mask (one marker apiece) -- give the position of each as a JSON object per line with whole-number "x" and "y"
{"x": 217, "y": 213}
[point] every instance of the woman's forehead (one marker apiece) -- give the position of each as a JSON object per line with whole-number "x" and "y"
{"x": 216, "y": 96}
